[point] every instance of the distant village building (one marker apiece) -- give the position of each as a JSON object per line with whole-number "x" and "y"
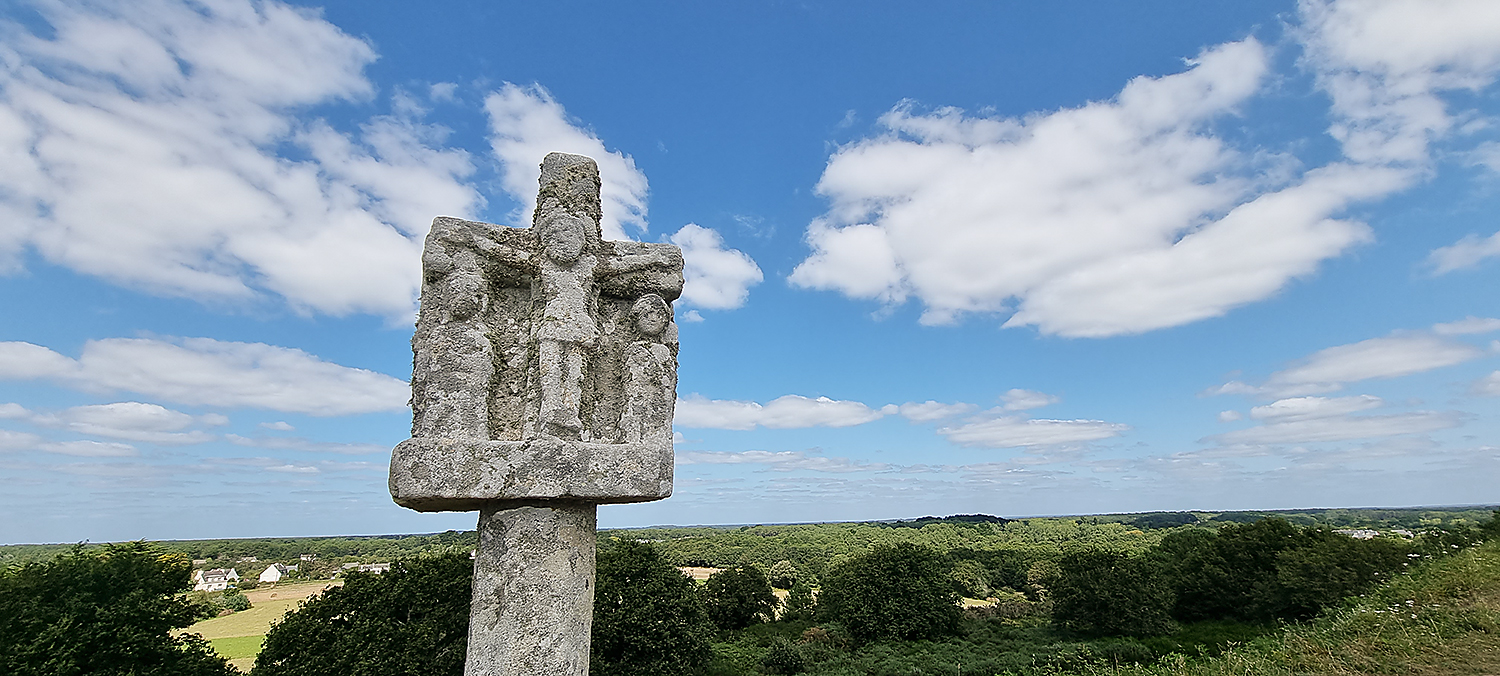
{"x": 1358, "y": 533}
{"x": 276, "y": 571}
{"x": 376, "y": 568}
{"x": 309, "y": 557}
{"x": 248, "y": 559}
{"x": 217, "y": 579}
{"x": 200, "y": 562}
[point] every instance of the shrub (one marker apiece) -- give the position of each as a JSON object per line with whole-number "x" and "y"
{"x": 892, "y": 592}
{"x": 236, "y": 601}
{"x": 108, "y": 612}
{"x": 782, "y": 657}
{"x": 413, "y": 619}
{"x": 738, "y": 597}
{"x": 1099, "y": 593}
{"x": 648, "y": 620}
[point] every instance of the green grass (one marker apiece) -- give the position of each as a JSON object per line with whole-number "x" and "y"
{"x": 239, "y": 650}
{"x": 253, "y": 622}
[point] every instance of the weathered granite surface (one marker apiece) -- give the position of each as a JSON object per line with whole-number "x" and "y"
{"x": 543, "y": 383}
{"x": 536, "y": 336}
{"x": 533, "y": 602}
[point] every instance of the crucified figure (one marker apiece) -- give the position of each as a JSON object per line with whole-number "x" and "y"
{"x": 565, "y": 262}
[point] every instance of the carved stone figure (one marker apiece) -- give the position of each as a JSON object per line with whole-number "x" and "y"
{"x": 544, "y": 377}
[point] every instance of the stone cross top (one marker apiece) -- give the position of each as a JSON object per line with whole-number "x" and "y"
{"x": 543, "y": 383}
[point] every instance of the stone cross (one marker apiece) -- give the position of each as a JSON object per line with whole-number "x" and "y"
{"x": 544, "y": 377}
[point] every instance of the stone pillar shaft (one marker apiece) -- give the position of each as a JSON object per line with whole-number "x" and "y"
{"x": 533, "y": 603}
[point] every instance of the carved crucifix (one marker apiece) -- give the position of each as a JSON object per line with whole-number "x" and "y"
{"x": 543, "y": 383}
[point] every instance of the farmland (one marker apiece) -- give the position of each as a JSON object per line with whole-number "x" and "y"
{"x": 239, "y": 636}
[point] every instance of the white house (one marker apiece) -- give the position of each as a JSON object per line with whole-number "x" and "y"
{"x": 275, "y": 571}
{"x": 217, "y": 579}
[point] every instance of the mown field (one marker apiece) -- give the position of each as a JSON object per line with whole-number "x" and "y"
{"x": 238, "y": 637}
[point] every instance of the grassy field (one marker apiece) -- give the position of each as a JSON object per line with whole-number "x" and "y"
{"x": 1443, "y": 620}
{"x": 238, "y": 637}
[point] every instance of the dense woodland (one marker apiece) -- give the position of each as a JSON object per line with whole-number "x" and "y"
{"x": 811, "y": 546}
{"x": 980, "y": 594}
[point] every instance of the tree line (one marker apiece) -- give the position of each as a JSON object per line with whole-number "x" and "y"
{"x": 114, "y": 609}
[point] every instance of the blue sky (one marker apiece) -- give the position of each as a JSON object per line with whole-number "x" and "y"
{"x": 960, "y": 257}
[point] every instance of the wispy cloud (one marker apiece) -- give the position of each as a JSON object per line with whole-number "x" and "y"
{"x": 1338, "y": 428}
{"x": 207, "y": 372}
{"x": 784, "y": 461}
{"x": 1330, "y": 369}
{"x": 1016, "y": 431}
{"x": 786, "y": 412}
{"x": 308, "y": 445}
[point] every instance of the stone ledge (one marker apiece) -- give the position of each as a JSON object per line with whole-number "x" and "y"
{"x": 434, "y": 475}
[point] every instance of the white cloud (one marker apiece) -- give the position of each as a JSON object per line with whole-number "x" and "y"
{"x": 90, "y": 449}
{"x": 207, "y": 372}
{"x": 1117, "y": 217}
{"x": 526, "y": 123}
{"x": 1388, "y": 357}
{"x": 140, "y": 144}
{"x": 1465, "y": 253}
{"x": 716, "y": 278}
{"x": 929, "y": 411}
{"x": 1025, "y": 400}
{"x": 279, "y": 426}
{"x": 786, "y": 412}
{"x": 1467, "y": 325}
{"x": 11, "y": 440}
{"x": 293, "y": 469}
{"x": 1229, "y": 416}
{"x": 1308, "y": 408}
{"x": 301, "y": 444}
{"x": 783, "y": 461}
{"x": 1384, "y": 64}
{"x": 131, "y": 421}
{"x": 1015, "y": 431}
{"x": 1329, "y": 369}
{"x": 1488, "y": 386}
{"x": 1130, "y": 215}
{"x": 1337, "y": 428}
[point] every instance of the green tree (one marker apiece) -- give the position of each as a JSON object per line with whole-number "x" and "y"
{"x": 784, "y": 574}
{"x": 108, "y": 612}
{"x": 899, "y": 591}
{"x": 972, "y": 579}
{"x": 411, "y": 620}
{"x": 1198, "y": 575}
{"x": 1331, "y": 567}
{"x": 1102, "y": 593}
{"x": 1490, "y": 527}
{"x": 800, "y": 604}
{"x": 738, "y": 597}
{"x": 648, "y": 619}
